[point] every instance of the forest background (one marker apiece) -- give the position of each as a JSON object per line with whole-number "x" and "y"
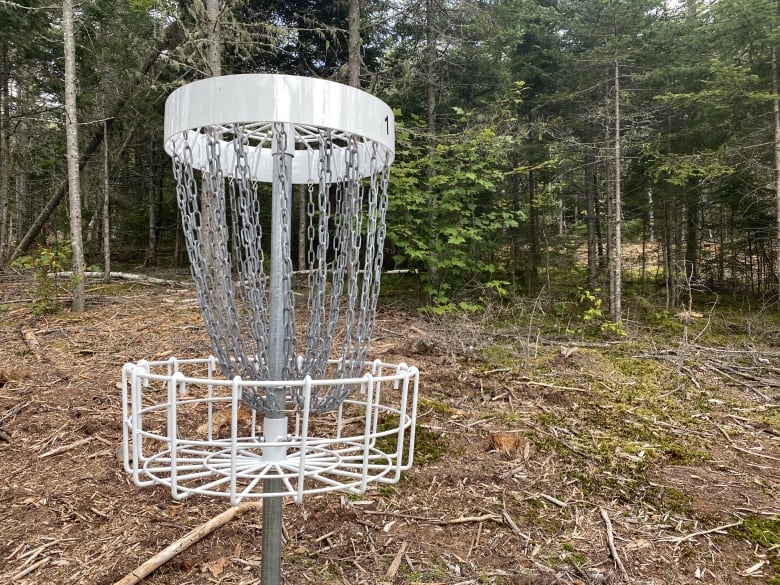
{"x": 532, "y": 135}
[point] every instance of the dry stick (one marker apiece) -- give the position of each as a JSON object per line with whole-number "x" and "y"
{"x": 679, "y": 539}
{"x": 749, "y": 452}
{"x": 193, "y": 536}
{"x": 611, "y": 543}
{"x": 14, "y": 411}
{"x": 467, "y": 519}
{"x": 474, "y": 540}
{"x": 508, "y": 519}
{"x": 553, "y": 386}
{"x": 30, "y": 569}
{"x": 437, "y": 521}
{"x": 396, "y": 564}
{"x": 553, "y": 500}
{"x": 65, "y": 448}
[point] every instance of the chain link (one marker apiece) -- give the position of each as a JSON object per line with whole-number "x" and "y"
{"x": 223, "y": 209}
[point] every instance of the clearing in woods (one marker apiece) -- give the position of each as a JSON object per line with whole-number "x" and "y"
{"x": 649, "y": 459}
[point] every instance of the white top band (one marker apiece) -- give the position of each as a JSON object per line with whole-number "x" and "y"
{"x": 256, "y": 100}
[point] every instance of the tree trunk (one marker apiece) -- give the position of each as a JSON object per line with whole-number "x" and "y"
{"x": 533, "y": 234}
{"x": 616, "y": 256}
{"x": 430, "y": 79}
{"x": 5, "y": 153}
{"x": 430, "y": 109}
{"x": 650, "y": 215}
{"x": 214, "y": 34}
{"x": 668, "y": 246}
{"x": 590, "y": 207}
{"x": 354, "y": 43}
{"x": 151, "y": 243}
{"x": 515, "y": 186}
{"x": 213, "y": 212}
{"x": 302, "y": 225}
{"x": 71, "y": 135}
{"x": 106, "y": 229}
{"x": 692, "y": 232}
{"x": 23, "y": 203}
{"x": 776, "y": 116}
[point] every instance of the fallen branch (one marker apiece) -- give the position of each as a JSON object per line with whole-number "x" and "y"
{"x": 11, "y": 412}
{"x": 64, "y": 448}
{"x": 749, "y": 452}
{"x": 678, "y": 539}
{"x": 193, "y": 536}
{"x": 553, "y": 500}
{"x": 94, "y": 274}
{"x": 30, "y": 569}
{"x": 611, "y": 543}
{"x": 438, "y": 521}
{"x": 396, "y": 564}
{"x": 468, "y": 520}
{"x": 553, "y": 386}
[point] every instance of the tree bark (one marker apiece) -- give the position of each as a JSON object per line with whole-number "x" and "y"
{"x": 106, "y": 228}
{"x": 590, "y": 207}
{"x": 71, "y": 136}
{"x": 776, "y": 116}
{"x": 430, "y": 119}
{"x": 354, "y": 43}
{"x": 533, "y": 234}
{"x": 5, "y": 153}
{"x": 616, "y": 257}
{"x": 430, "y": 78}
{"x": 23, "y": 203}
{"x": 214, "y": 35}
{"x": 151, "y": 244}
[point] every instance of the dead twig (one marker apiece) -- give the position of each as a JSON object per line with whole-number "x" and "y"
{"x": 749, "y": 452}
{"x": 438, "y": 521}
{"x": 193, "y": 536}
{"x": 553, "y": 386}
{"x": 30, "y": 569}
{"x": 553, "y": 500}
{"x": 64, "y": 448}
{"x": 396, "y": 564}
{"x": 679, "y": 539}
{"x": 611, "y": 543}
{"x": 11, "y": 412}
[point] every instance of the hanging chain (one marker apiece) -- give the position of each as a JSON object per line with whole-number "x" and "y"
{"x": 345, "y": 231}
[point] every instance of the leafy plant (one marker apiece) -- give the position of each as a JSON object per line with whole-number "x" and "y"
{"x": 448, "y": 213}
{"x": 44, "y": 262}
{"x": 592, "y": 312}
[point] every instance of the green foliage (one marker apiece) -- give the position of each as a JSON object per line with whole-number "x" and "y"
{"x": 44, "y": 262}
{"x": 428, "y": 444}
{"x": 449, "y": 214}
{"x": 593, "y": 317}
{"x": 764, "y": 532}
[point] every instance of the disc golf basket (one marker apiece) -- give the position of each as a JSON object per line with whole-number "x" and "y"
{"x": 288, "y": 405}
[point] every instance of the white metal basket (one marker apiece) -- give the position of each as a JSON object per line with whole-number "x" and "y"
{"x": 186, "y": 428}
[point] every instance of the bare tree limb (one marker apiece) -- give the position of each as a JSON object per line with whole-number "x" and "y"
{"x": 137, "y": 575}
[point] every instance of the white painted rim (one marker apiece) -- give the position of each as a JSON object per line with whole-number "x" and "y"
{"x": 257, "y": 101}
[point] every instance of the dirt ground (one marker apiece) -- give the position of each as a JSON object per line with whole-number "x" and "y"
{"x": 538, "y": 462}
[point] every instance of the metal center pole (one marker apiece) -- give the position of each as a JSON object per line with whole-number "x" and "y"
{"x": 275, "y": 423}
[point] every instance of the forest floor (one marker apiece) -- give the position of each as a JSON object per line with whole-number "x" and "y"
{"x": 542, "y": 458}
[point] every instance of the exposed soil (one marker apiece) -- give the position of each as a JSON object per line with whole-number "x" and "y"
{"x": 531, "y": 457}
